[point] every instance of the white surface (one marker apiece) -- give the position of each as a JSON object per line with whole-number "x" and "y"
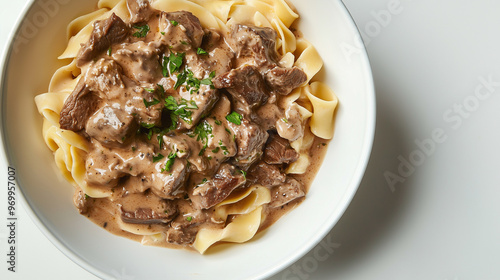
{"x": 105, "y": 255}
{"x": 442, "y": 222}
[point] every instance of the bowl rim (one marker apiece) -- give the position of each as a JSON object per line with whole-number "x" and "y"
{"x": 322, "y": 232}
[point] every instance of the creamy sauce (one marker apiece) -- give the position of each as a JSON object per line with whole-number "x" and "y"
{"x": 174, "y": 125}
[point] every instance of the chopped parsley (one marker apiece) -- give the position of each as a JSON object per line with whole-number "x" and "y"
{"x": 133, "y": 149}
{"x": 181, "y": 79}
{"x": 217, "y": 122}
{"x": 201, "y": 52}
{"x": 189, "y": 219}
{"x": 151, "y": 103}
{"x": 162, "y": 90}
{"x": 158, "y": 158}
{"x": 184, "y": 43}
{"x": 244, "y": 173}
{"x": 180, "y": 109}
{"x": 162, "y": 33}
{"x": 216, "y": 150}
{"x": 204, "y": 181}
{"x": 203, "y": 130}
{"x": 174, "y": 23}
{"x": 86, "y": 196}
{"x": 172, "y": 63}
{"x": 285, "y": 120}
{"x": 170, "y": 162}
{"x": 234, "y": 118}
{"x": 142, "y": 31}
{"x": 208, "y": 81}
{"x": 192, "y": 83}
{"x": 152, "y": 90}
{"x": 224, "y": 148}
{"x": 147, "y": 125}
{"x": 109, "y": 51}
{"x": 160, "y": 139}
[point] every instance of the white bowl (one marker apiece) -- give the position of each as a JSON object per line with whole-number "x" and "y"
{"x": 29, "y": 64}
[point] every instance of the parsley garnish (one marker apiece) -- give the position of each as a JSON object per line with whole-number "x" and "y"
{"x": 285, "y": 120}
{"x": 147, "y": 125}
{"x": 109, "y": 51}
{"x": 224, "y": 148}
{"x": 192, "y": 83}
{"x": 181, "y": 79}
{"x": 158, "y": 158}
{"x": 174, "y": 23}
{"x": 150, "y": 103}
{"x": 244, "y": 173}
{"x": 142, "y": 31}
{"x": 234, "y": 118}
{"x": 162, "y": 33}
{"x": 216, "y": 150}
{"x": 203, "y": 130}
{"x": 201, "y": 51}
{"x": 189, "y": 219}
{"x": 208, "y": 81}
{"x": 170, "y": 162}
{"x": 162, "y": 90}
{"x": 180, "y": 109}
{"x": 172, "y": 63}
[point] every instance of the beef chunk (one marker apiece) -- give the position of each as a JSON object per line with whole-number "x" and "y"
{"x": 258, "y": 43}
{"x": 106, "y": 32}
{"x": 78, "y": 107}
{"x": 266, "y": 175}
{"x": 211, "y": 39}
{"x": 169, "y": 184}
{"x": 205, "y": 100}
{"x": 162, "y": 212}
{"x": 146, "y": 208}
{"x": 105, "y": 77}
{"x": 284, "y": 80}
{"x": 245, "y": 83}
{"x": 103, "y": 80}
{"x": 250, "y": 140}
{"x": 279, "y": 151}
{"x": 182, "y": 30}
{"x": 104, "y": 169}
{"x": 82, "y": 201}
{"x": 220, "y": 56}
{"x": 144, "y": 216}
{"x": 111, "y": 126}
{"x": 182, "y": 233}
{"x": 219, "y": 188}
{"x": 140, "y": 62}
{"x": 140, "y": 10}
{"x": 283, "y": 194}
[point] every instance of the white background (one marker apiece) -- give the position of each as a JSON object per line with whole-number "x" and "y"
{"x": 443, "y": 221}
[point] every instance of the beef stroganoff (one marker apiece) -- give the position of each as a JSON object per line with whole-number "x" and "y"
{"x": 187, "y": 123}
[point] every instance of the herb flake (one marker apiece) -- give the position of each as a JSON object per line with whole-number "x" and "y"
{"x": 235, "y": 118}
{"x": 142, "y": 31}
{"x": 158, "y": 158}
{"x": 150, "y": 103}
